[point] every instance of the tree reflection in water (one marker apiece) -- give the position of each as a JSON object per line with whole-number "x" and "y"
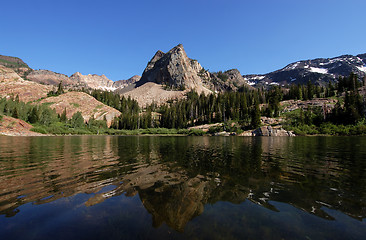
{"x": 177, "y": 177}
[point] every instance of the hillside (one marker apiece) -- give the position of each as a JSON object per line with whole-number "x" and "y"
{"x": 12, "y": 62}
{"x": 15, "y": 127}
{"x": 11, "y": 85}
{"x": 81, "y": 102}
{"x": 151, "y": 92}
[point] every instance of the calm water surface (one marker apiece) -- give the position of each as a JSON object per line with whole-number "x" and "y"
{"x": 103, "y": 187}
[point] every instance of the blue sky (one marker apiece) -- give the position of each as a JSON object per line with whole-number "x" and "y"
{"x": 118, "y": 38}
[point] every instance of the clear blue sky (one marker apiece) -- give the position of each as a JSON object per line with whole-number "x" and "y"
{"x": 118, "y": 38}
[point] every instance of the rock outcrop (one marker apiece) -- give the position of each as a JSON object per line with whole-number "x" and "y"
{"x": 49, "y": 78}
{"x": 11, "y": 85}
{"x": 125, "y": 83}
{"x": 230, "y": 80}
{"x": 78, "y": 80}
{"x": 81, "y": 102}
{"x": 16, "y": 127}
{"x": 93, "y": 81}
{"x": 174, "y": 70}
{"x": 268, "y": 131}
{"x": 17, "y": 64}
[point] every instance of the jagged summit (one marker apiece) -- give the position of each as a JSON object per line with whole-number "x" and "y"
{"x": 173, "y": 69}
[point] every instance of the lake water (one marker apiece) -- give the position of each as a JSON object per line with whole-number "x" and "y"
{"x": 106, "y": 187}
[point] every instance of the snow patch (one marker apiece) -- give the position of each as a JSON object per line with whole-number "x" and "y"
{"x": 318, "y": 70}
{"x": 256, "y": 78}
{"x": 251, "y": 83}
{"x": 107, "y": 88}
{"x": 274, "y": 83}
{"x": 362, "y": 68}
{"x": 293, "y": 66}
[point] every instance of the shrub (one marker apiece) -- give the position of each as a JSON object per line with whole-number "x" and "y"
{"x": 183, "y": 131}
{"x": 196, "y": 132}
{"x": 39, "y": 129}
{"x": 215, "y": 129}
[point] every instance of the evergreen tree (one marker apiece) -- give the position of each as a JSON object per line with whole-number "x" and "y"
{"x": 63, "y": 117}
{"x": 256, "y": 116}
{"x": 15, "y": 113}
{"x": 60, "y": 89}
{"x": 34, "y": 115}
{"x": 77, "y": 120}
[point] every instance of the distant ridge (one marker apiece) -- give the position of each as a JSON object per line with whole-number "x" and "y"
{"x": 319, "y": 71}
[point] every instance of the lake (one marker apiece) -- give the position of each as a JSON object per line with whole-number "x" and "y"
{"x": 162, "y": 187}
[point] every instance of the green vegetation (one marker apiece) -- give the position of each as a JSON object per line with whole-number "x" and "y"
{"x": 222, "y": 76}
{"x": 17, "y": 63}
{"x": 56, "y": 92}
{"x": 236, "y": 111}
{"x": 76, "y": 105}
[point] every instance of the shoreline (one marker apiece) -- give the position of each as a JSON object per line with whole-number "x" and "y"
{"x": 35, "y": 134}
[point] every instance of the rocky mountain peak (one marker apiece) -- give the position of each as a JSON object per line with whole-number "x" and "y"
{"x": 93, "y": 81}
{"x": 173, "y": 69}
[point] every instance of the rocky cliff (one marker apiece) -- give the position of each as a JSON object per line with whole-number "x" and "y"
{"x": 230, "y": 80}
{"x": 93, "y": 81}
{"x": 174, "y": 70}
{"x": 125, "y": 83}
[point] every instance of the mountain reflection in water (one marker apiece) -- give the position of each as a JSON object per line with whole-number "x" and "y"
{"x": 176, "y": 177}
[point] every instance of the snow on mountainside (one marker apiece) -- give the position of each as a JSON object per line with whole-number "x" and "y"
{"x": 319, "y": 71}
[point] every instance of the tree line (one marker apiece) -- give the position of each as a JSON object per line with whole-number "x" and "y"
{"x": 244, "y": 107}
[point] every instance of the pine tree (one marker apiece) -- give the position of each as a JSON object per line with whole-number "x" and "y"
{"x": 77, "y": 120}
{"x": 60, "y": 89}
{"x": 63, "y": 117}
{"x": 15, "y": 113}
{"x": 256, "y": 116}
{"x": 34, "y": 115}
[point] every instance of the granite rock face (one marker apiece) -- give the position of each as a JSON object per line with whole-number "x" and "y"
{"x": 174, "y": 70}
{"x": 93, "y": 81}
{"x": 268, "y": 131}
{"x": 125, "y": 83}
{"x": 230, "y": 80}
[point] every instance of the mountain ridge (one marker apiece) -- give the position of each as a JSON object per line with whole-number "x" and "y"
{"x": 175, "y": 70}
{"x": 319, "y": 71}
